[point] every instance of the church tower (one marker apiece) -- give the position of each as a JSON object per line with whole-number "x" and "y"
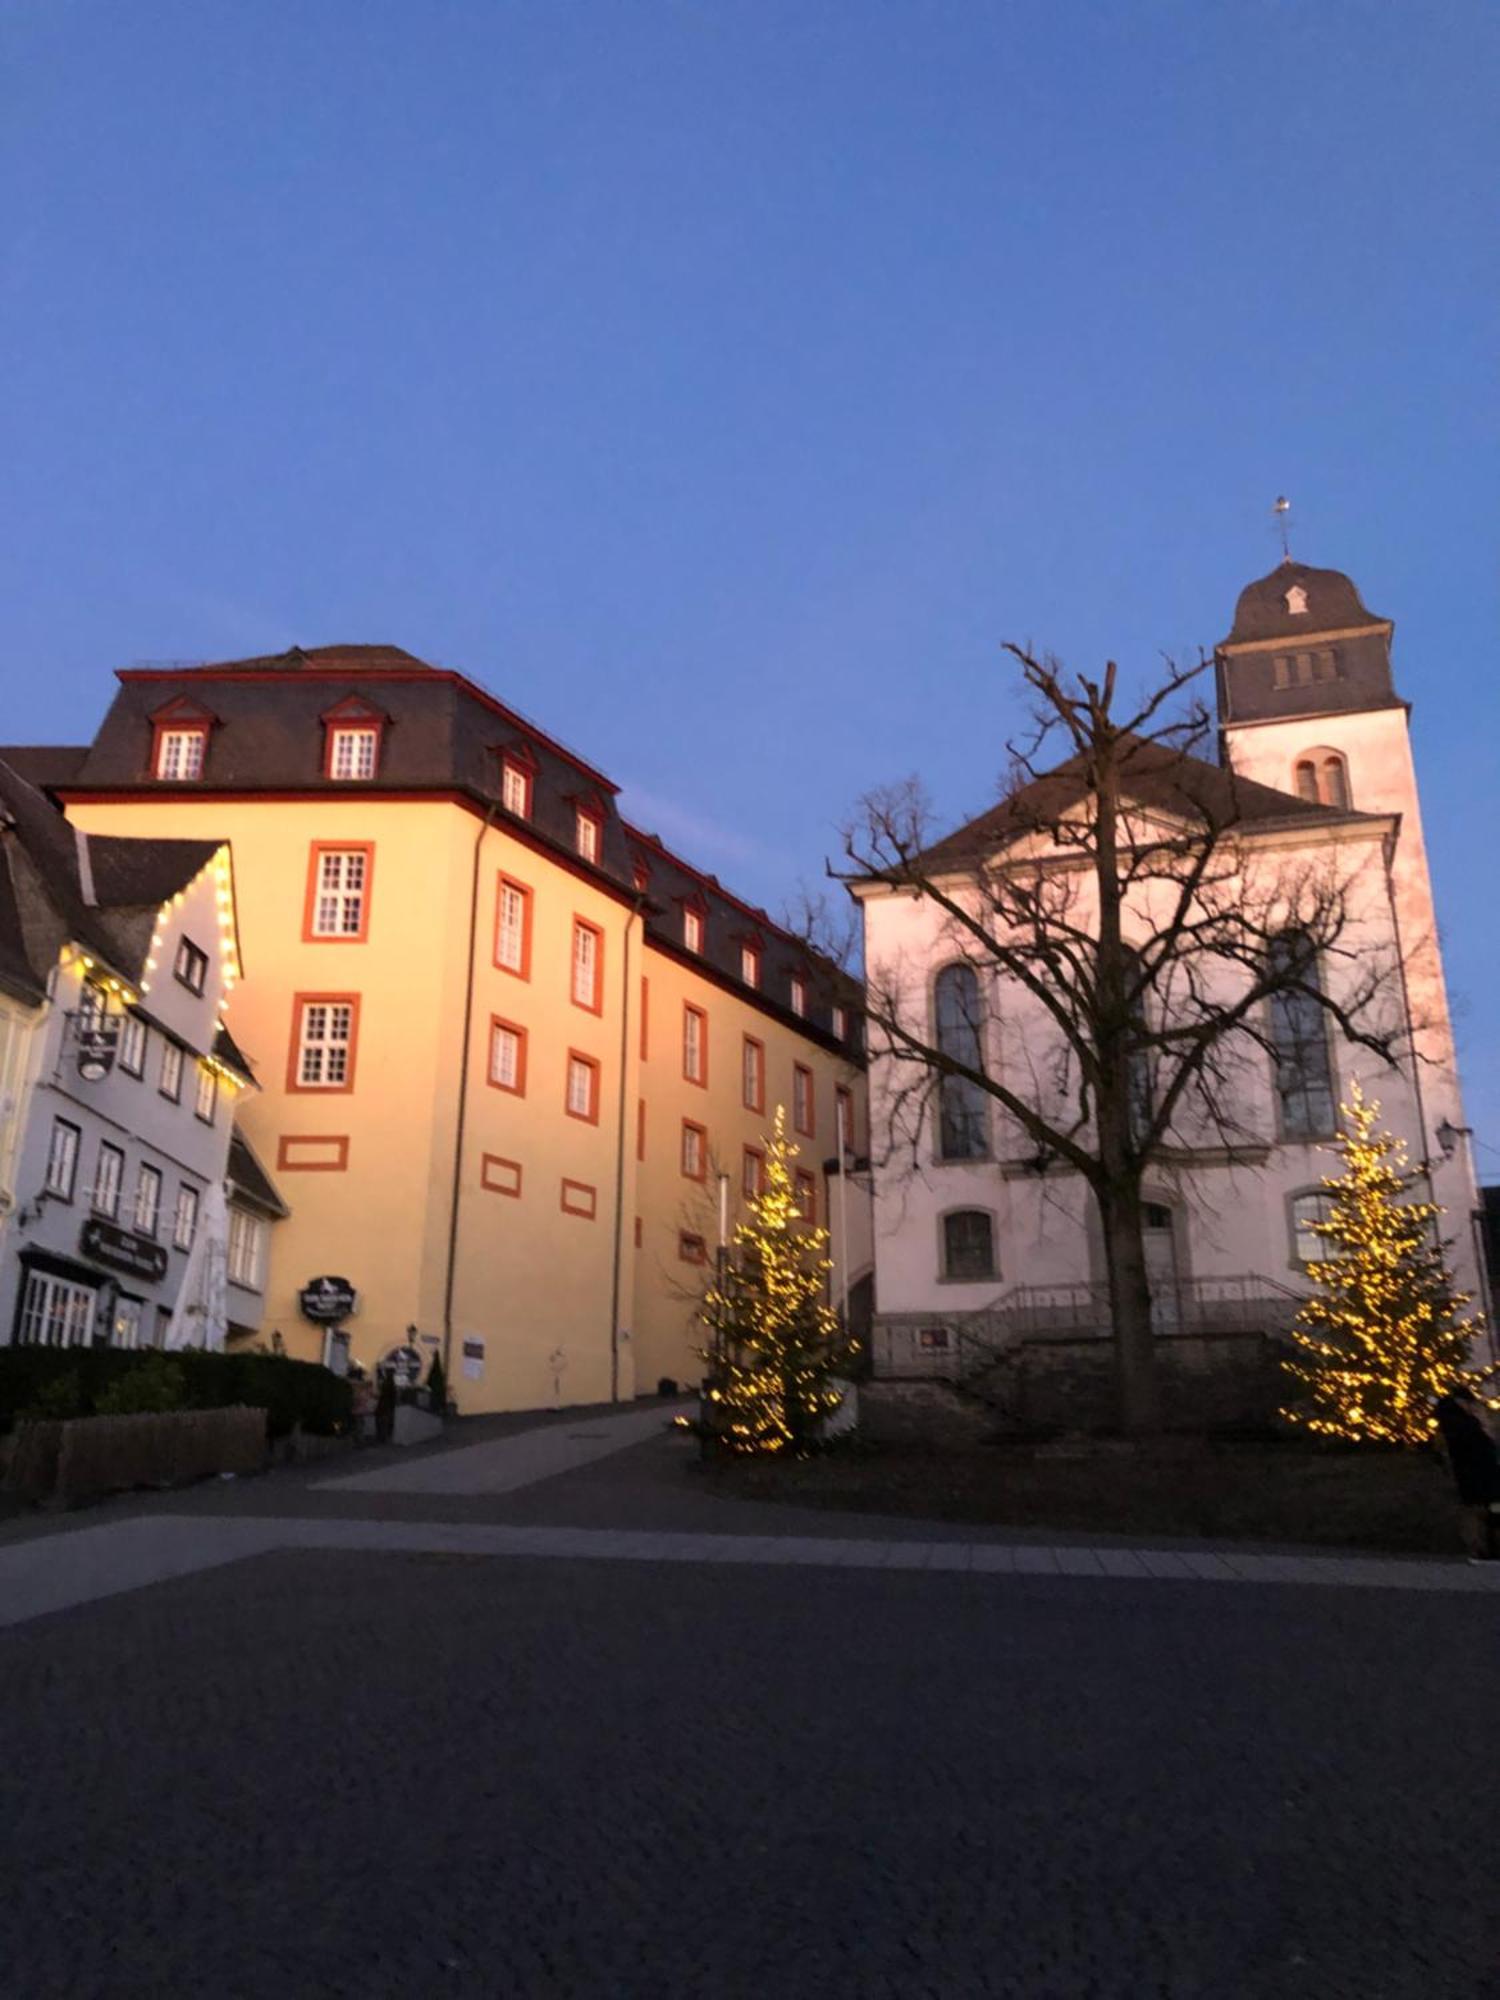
{"x": 1307, "y": 704}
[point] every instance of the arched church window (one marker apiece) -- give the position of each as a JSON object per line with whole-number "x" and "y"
{"x": 969, "y": 1244}
{"x": 961, "y": 1121}
{"x": 1334, "y": 781}
{"x": 1299, "y": 1039}
{"x": 1307, "y": 780}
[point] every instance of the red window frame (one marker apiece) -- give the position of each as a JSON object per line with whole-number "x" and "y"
{"x": 801, "y": 1072}
{"x": 640, "y": 1128}
{"x": 578, "y": 1198}
{"x": 797, "y": 995}
{"x": 500, "y": 1176}
{"x": 352, "y": 725}
{"x": 691, "y": 1125}
{"x": 315, "y": 853}
{"x": 589, "y": 816}
{"x": 518, "y": 1088}
{"x": 691, "y": 1247}
{"x": 294, "y": 1063}
{"x": 502, "y": 883}
{"x": 807, "y": 1197}
{"x": 645, "y": 1013}
{"x": 758, "y": 1101}
{"x": 171, "y": 725}
{"x": 596, "y": 1005}
{"x": 753, "y": 1173}
{"x": 523, "y": 889}
{"x": 690, "y": 1012}
{"x": 750, "y": 964}
{"x": 591, "y": 1064}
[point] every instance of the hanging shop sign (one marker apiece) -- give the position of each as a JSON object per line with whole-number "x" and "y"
{"x": 325, "y": 1301}
{"x": 405, "y": 1363}
{"x": 97, "y": 1044}
{"x": 122, "y": 1250}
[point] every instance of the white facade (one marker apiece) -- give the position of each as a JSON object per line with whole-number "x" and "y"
{"x": 118, "y": 1174}
{"x": 1222, "y": 1237}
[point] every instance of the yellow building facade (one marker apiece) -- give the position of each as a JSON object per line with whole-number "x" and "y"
{"x": 506, "y": 1044}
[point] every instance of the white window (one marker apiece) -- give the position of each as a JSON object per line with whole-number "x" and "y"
{"x": 692, "y": 929}
{"x": 507, "y": 1057}
{"x": 1307, "y": 1245}
{"x": 325, "y": 1044}
{"x": 352, "y": 753}
{"x": 587, "y": 832}
{"x": 749, "y": 965}
{"x": 147, "y": 1200}
{"x": 133, "y": 1045}
{"x": 109, "y": 1175}
{"x": 583, "y": 1088}
{"x": 127, "y": 1328}
{"x": 55, "y": 1313}
{"x": 515, "y": 789}
{"x": 799, "y": 994}
{"x": 185, "y": 1221}
{"x": 585, "y": 966}
{"x": 207, "y": 1094}
{"x": 339, "y": 892}
{"x": 246, "y": 1234}
{"x": 171, "y": 1071}
{"x": 753, "y": 1075}
{"x": 179, "y": 753}
{"x": 692, "y": 1151}
{"x": 694, "y": 1044}
{"x": 511, "y": 913}
{"x": 802, "y": 1100}
{"x": 62, "y": 1159}
{"x": 190, "y": 968}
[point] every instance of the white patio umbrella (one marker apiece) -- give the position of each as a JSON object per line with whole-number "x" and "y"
{"x": 201, "y": 1315}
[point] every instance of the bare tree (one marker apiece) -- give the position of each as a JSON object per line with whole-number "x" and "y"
{"x": 1156, "y": 922}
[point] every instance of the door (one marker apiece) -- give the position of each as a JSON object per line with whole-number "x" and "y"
{"x": 1160, "y": 1240}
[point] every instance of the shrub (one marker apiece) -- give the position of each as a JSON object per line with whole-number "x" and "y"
{"x": 152, "y": 1389}
{"x": 437, "y": 1386}
{"x": 70, "y": 1381}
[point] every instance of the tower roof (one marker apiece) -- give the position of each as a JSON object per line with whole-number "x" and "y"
{"x": 1295, "y": 599}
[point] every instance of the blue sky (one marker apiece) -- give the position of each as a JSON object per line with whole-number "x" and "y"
{"x": 722, "y": 382}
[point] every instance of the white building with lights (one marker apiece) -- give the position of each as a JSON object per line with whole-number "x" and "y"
{"x": 118, "y": 1203}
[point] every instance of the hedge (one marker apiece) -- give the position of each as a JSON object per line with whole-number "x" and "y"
{"x": 68, "y": 1382}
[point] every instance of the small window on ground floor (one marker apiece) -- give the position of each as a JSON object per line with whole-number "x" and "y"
{"x": 969, "y": 1244}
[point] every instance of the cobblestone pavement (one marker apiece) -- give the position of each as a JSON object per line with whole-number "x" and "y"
{"x": 350, "y": 1774}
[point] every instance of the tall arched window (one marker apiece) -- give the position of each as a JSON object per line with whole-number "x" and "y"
{"x": 961, "y": 1123}
{"x": 1307, "y": 780}
{"x": 1299, "y": 1040}
{"x": 969, "y": 1244}
{"x": 1333, "y": 781}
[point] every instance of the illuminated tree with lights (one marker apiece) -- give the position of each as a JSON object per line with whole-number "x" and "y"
{"x": 1384, "y": 1334}
{"x": 775, "y": 1347}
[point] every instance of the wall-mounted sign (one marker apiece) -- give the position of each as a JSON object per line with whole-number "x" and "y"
{"x": 405, "y": 1363}
{"x": 473, "y": 1358}
{"x": 122, "y": 1250}
{"x": 97, "y": 1043}
{"x": 327, "y": 1300}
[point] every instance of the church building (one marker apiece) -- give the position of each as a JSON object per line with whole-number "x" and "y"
{"x": 982, "y": 1243}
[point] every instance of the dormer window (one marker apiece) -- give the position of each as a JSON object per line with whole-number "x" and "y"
{"x": 640, "y": 877}
{"x": 352, "y": 751}
{"x": 515, "y": 787}
{"x": 841, "y": 1024}
{"x": 1296, "y": 601}
{"x": 692, "y": 929}
{"x": 351, "y": 740}
{"x": 180, "y": 752}
{"x": 587, "y": 833}
{"x": 799, "y": 994}
{"x": 190, "y": 968}
{"x": 750, "y": 964}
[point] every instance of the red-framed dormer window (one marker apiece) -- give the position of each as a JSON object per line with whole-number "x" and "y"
{"x": 588, "y": 830}
{"x": 517, "y": 780}
{"x": 640, "y": 876}
{"x": 750, "y": 964}
{"x": 692, "y": 926}
{"x": 799, "y": 994}
{"x": 352, "y": 732}
{"x": 179, "y": 741}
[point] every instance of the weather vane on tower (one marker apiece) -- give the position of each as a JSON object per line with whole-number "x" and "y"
{"x": 1281, "y": 510}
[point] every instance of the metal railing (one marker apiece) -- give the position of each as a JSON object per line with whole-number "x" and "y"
{"x": 956, "y": 1346}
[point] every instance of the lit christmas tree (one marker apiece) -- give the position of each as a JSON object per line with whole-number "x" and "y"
{"x": 775, "y": 1347}
{"x": 1383, "y": 1334}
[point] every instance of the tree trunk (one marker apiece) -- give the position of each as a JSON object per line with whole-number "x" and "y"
{"x": 1138, "y": 1390}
